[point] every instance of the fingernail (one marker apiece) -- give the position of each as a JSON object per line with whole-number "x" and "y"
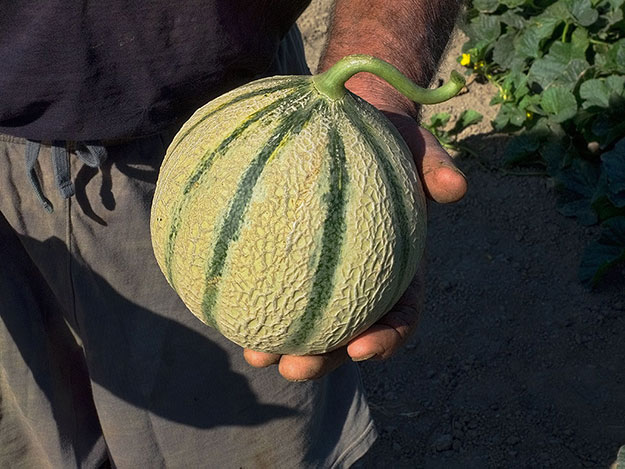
{"x": 362, "y": 359}
{"x": 453, "y": 168}
{"x": 460, "y": 172}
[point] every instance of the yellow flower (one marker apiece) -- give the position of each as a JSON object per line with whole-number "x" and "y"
{"x": 465, "y": 60}
{"x": 529, "y": 115}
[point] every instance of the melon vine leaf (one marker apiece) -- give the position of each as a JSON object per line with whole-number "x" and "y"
{"x": 512, "y": 18}
{"x": 522, "y": 149}
{"x": 486, "y": 6}
{"x": 608, "y": 128}
{"x": 577, "y": 186}
{"x": 611, "y": 57}
{"x": 466, "y": 119}
{"x": 614, "y": 170}
{"x": 554, "y": 154}
{"x": 603, "y": 93}
{"x": 583, "y": 12}
{"x": 439, "y": 120}
{"x": 557, "y": 69}
{"x": 514, "y": 3}
{"x": 486, "y": 28}
{"x": 449, "y": 138}
{"x": 594, "y": 93}
{"x": 503, "y": 51}
{"x": 607, "y": 251}
{"x": 560, "y": 103}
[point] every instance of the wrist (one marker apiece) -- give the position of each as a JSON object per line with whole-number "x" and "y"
{"x": 409, "y": 34}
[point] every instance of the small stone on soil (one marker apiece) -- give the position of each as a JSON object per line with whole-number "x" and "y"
{"x": 443, "y": 443}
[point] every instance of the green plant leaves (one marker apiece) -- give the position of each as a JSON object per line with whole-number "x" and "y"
{"x": 614, "y": 169}
{"x": 595, "y": 93}
{"x": 503, "y": 51}
{"x": 439, "y": 120}
{"x": 486, "y": 6}
{"x": 466, "y": 119}
{"x": 512, "y": 20}
{"x": 531, "y": 39}
{"x": 611, "y": 57}
{"x": 582, "y": 11}
{"x": 514, "y": 3}
{"x": 615, "y": 13}
{"x": 564, "y": 64}
{"x": 602, "y": 93}
{"x": 522, "y": 148}
{"x": 559, "y": 66}
{"x": 449, "y": 138}
{"x": 607, "y": 251}
{"x": 577, "y": 184}
{"x": 486, "y": 29}
{"x": 509, "y": 115}
{"x": 560, "y": 102}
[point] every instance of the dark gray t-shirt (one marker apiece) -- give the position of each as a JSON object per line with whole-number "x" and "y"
{"x": 103, "y": 70}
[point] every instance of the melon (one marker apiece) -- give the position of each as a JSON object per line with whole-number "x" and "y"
{"x": 288, "y": 213}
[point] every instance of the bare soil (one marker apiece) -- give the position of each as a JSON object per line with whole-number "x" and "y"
{"x": 515, "y": 363}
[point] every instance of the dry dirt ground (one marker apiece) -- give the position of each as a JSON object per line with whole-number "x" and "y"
{"x": 515, "y": 364}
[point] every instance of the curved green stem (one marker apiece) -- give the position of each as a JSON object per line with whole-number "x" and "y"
{"x": 332, "y": 82}
{"x": 566, "y": 30}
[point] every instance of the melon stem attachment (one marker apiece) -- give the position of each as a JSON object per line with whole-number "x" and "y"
{"x": 332, "y": 82}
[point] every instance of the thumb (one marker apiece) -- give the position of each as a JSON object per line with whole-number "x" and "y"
{"x": 443, "y": 182}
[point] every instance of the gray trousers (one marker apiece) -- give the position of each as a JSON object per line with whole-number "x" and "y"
{"x": 100, "y": 360}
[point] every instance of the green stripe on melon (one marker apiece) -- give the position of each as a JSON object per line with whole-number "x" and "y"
{"x": 271, "y": 111}
{"x": 333, "y": 234}
{"x": 288, "y": 128}
{"x": 400, "y": 176}
{"x": 255, "y": 90}
{"x": 288, "y": 214}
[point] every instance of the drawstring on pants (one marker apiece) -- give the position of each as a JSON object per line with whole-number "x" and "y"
{"x": 91, "y": 154}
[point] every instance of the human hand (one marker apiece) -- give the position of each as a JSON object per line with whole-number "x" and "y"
{"x": 443, "y": 183}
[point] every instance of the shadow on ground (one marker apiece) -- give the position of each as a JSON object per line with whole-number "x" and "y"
{"x": 515, "y": 364}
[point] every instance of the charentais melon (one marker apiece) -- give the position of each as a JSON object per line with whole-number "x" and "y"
{"x": 288, "y": 213}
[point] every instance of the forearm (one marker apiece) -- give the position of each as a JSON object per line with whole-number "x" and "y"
{"x": 410, "y": 34}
